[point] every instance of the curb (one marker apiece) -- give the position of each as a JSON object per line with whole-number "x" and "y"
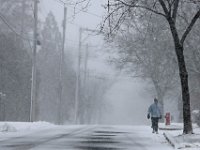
{"x": 172, "y": 129}
{"x": 170, "y": 140}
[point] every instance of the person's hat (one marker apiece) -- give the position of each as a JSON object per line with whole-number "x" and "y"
{"x": 155, "y": 99}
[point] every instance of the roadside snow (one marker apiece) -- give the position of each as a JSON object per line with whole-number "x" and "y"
{"x": 23, "y": 126}
{"x": 186, "y": 142}
{"x": 173, "y": 126}
{"x": 16, "y": 129}
{"x": 143, "y": 136}
{"x": 139, "y": 135}
{"x": 7, "y": 128}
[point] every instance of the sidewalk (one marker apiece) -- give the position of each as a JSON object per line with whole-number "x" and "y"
{"x": 173, "y": 126}
{"x": 174, "y": 136}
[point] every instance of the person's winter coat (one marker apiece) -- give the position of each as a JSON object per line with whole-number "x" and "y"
{"x": 154, "y": 111}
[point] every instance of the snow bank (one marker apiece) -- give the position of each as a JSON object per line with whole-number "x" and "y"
{"x": 7, "y": 128}
{"x": 23, "y": 126}
{"x": 181, "y": 141}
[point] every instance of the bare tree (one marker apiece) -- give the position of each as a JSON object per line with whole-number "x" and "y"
{"x": 145, "y": 52}
{"x": 119, "y": 10}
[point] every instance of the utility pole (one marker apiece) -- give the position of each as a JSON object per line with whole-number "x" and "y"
{"x": 33, "y": 86}
{"x": 2, "y": 106}
{"x": 77, "y": 94}
{"x": 85, "y": 80}
{"x": 23, "y": 16}
{"x": 62, "y": 63}
{"x": 86, "y": 64}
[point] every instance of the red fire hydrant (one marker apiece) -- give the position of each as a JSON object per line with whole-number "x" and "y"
{"x": 167, "y": 119}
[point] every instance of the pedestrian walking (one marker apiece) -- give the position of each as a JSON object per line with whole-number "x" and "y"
{"x": 154, "y": 113}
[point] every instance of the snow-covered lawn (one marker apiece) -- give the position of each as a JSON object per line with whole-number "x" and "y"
{"x": 190, "y": 142}
{"x": 17, "y": 129}
{"x": 23, "y": 126}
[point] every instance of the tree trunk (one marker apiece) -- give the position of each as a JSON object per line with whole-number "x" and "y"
{"x": 183, "y": 78}
{"x": 185, "y": 90}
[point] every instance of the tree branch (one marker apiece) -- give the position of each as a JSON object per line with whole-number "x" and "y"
{"x": 174, "y": 14}
{"x": 162, "y": 3}
{"x": 152, "y": 10}
{"x": 169, "y": 6}
{"x": 189, "y": 28}
{"x": 108, "y": 17}
{"x": 141, "y": 6}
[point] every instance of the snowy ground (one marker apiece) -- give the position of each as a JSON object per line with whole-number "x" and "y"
{"x": 45, "y": 136}
{"x": 22, "y": 126}
{"x": 180, "y": 141}
{"x": 10, "y": 130}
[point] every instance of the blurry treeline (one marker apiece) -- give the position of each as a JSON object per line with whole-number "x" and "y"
{"x": 16, "y": 21}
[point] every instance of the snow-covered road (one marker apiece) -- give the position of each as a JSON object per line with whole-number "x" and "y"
{"x": 87, "y": 138}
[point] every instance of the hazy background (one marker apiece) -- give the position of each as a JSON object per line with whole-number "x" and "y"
{"x": 127, "y": 100}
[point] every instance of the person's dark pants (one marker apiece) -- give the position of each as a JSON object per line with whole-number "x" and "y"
{"x": 154, "y": 121}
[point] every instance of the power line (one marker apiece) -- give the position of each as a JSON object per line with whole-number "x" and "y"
{"x": 87, "y": 12}
{"x": 90, "y": 13}
{"x": 61, "y": 2}
{"x": 45, "y": 10}
{"x": 13, "y": 29}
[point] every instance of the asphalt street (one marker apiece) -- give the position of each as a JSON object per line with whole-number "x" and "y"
{"x": 88, "y": 138}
